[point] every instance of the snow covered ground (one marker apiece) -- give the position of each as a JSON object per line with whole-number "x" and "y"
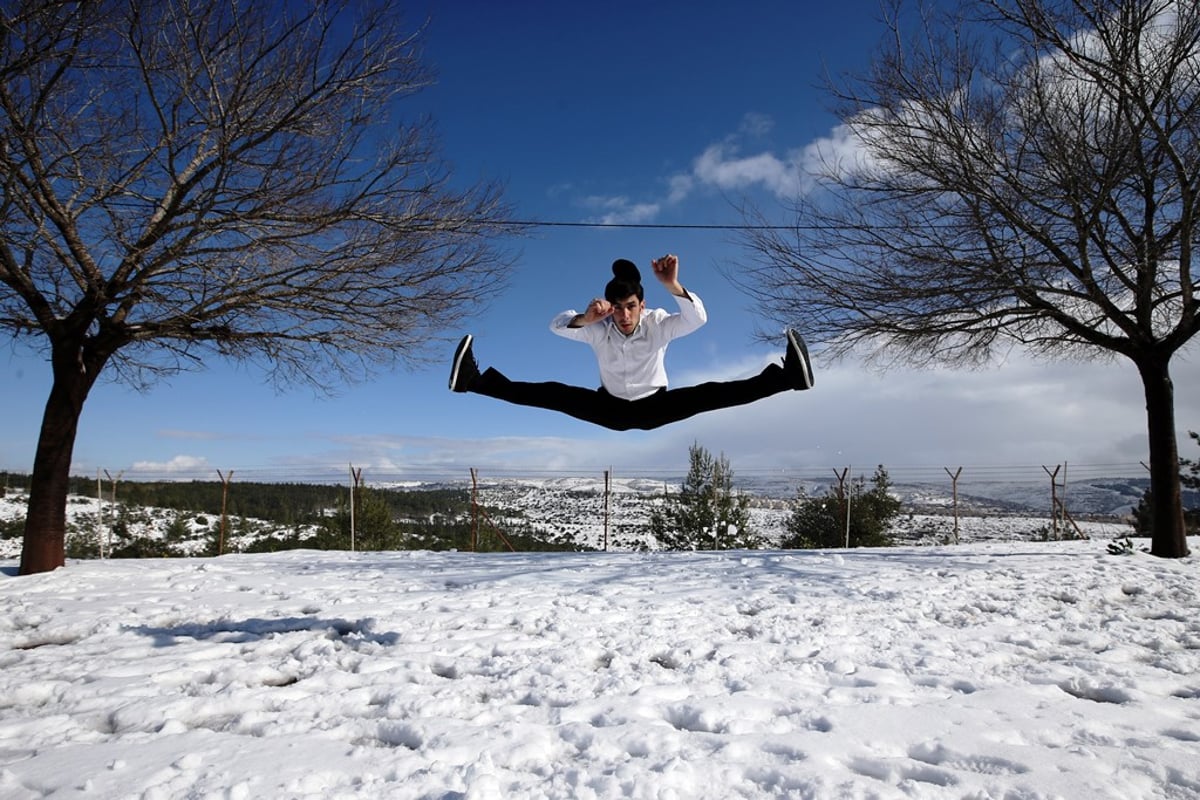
{"x": 1020, "y": 670}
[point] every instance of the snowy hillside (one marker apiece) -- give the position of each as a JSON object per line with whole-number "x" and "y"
{"x": 579, "y": 510}
{"x": 88, "y": 518}
{"x": 576, "y": 508}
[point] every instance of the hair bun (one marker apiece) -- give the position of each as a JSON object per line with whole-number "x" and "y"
{"x": 626, "y": 270}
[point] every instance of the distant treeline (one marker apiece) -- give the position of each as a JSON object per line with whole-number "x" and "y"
{"x": 300, "y": 515}
{"x": 284, "y": 503}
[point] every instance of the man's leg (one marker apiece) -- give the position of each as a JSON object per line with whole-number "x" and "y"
{"x": 590, "y": 405}
{"x": 677, "y": 404}
{"x": 599, "y": 407}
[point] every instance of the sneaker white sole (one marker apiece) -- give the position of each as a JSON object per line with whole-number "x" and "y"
{"x": 463, "y": 347}
{"x": 797, "y": 344}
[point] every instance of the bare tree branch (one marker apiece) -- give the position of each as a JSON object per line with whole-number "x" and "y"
{"x": 1064, "y": 182}
{"x": 226, "y": 177}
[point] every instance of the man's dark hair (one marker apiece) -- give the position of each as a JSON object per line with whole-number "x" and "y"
{"x": 626, "y": 280}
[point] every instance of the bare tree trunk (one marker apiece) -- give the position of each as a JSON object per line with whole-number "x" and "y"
{"x": 1168, "y": 535}
{"x": 44, "y": 545}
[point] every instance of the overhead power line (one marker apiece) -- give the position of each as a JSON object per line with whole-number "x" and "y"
{"x": 516, "y": 223}
{"x": 551, "y": 223}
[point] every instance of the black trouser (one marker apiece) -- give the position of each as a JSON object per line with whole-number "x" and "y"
{"x": 662, "y": 407}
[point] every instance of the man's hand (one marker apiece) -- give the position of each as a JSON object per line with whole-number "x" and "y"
{"x": 666, "y": 269}
{"x": 597, "y": 310}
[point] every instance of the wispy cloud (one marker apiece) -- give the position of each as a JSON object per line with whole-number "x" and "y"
{"x": 618, "y": 210}
{"x": 434, "y": 456}
{"x": 179, "y": 465}
{"x": 727, "y": 166}
{"x": 178, "y": 433}
{"x": 755, "y": 124}
{"x": 738, "y": 163}
{"x": 723, "y": 167}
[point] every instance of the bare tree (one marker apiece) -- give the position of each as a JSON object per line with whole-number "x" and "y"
{"x": 187, "y": 178}
{"x": 1030, "y": 175}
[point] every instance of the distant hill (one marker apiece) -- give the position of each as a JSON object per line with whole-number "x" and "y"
{"x": 164, "y": 518}
{"x": 1100, "y": 497}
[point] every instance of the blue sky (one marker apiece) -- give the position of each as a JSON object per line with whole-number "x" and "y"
{"x": 662, "y": 113}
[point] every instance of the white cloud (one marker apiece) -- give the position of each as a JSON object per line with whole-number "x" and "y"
{"x": 838, "y": 153}
{"x": 619, "y": 210}
{"x": 720, "y": 166}
{"x": 180, "y": 464}
{"x": 436, "y": 456}
{"x": 724, "y": 166}
{"x": 634, "y": 214}
{"x": 679, "y": 187}
{"x": 756, "y": 124}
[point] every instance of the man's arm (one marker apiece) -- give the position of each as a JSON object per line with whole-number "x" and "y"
{"x": 572, "y": 325}
{"x": 691, "y": 309}
{"x": 597, "y": 310}
{"x": 666, "y": 269}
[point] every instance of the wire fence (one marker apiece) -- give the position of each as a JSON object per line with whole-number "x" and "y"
{"x": 390, "y": 474}
{"x": 587, "y": 503}
{"x": 1059, "y": 491}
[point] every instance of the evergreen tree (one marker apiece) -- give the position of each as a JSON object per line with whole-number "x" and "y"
{"x": 374, "y": 525}
{"x": 177, "y": 530}
{"x": 334, "y": 530}
{"x": 706, "y": 513}
{"x": 820, "y": 522}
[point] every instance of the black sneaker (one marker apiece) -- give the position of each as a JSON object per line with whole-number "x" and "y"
{"x": 796, "y": 362}
{"x": 464, "y": 371}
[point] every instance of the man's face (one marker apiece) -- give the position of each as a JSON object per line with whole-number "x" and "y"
{"x": 627, "y": 313}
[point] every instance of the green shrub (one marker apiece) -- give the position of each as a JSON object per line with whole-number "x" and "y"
{"x": 820, "y": 522}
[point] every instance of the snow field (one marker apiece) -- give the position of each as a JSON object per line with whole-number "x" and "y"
{"x": 989, "y": 670}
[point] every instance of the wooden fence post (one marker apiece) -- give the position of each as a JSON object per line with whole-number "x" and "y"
{"x": 114, "y": 505}
{"x": 1053, "y": 499}
{"x": 225, "y": 479}
{"x": 844, "y": 496}
{"x": 474, "y": 510}
{"x": 355, "y": 482}
{"x": 954, "y": 495}
{"x": 607, "y": 485}
{"x": 99, "y": 514}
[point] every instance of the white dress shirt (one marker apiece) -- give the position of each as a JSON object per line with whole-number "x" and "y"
{"x": 631, "y": 367}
